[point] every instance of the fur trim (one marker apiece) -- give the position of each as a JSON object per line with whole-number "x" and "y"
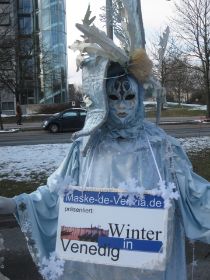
{"x": 140, "y": 66}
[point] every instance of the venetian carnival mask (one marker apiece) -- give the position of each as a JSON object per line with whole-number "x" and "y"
{"x": 123, "y": 100}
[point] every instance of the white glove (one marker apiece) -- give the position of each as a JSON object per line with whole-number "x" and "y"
{"x": 7, "y": 205}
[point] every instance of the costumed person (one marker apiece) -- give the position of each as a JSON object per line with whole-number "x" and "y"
{"x": 18, "y": 113}
{"x": 116, "y": 148}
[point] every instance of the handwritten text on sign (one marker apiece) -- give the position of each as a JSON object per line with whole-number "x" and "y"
{"x": 112, "y": 228}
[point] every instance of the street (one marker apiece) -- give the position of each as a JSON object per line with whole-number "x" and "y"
{"x": 187, "y": 130}
{"x": 33, "y": 138}
{"x": 43, "y": 137}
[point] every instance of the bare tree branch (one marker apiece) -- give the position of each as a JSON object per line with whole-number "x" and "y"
{"x": 192, "y": 25}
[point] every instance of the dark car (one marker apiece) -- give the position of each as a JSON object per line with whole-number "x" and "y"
{"x": 69, "y": 120}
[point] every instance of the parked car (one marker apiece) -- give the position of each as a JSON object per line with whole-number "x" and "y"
{"x": 68, "y": 120}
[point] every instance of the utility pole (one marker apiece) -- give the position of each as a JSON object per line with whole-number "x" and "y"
{"x": 161, "y": 51}
{"x": 141, "y": 25}
{"x": 109, "y": 21}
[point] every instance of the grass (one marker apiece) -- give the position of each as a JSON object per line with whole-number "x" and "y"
{"x": 176, "y": 112}
{"x": 9, "y": 188}
{"x": 201, "y": 163}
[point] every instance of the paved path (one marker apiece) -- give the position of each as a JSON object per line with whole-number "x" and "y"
{"x": 17, "y": 263}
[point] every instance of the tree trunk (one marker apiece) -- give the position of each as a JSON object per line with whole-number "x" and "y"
{"x": 207, "y": 94}
{"x": 179, "y": 96}
{"x": 208, "y": 103}
{"x": 1, "y": 123}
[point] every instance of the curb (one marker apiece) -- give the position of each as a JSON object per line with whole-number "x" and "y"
{"x": 15, "y": 130}
{"x": 181, "y": 122}
{"x": 30, "y": 128}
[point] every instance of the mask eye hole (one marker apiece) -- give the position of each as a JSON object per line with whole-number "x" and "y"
{"x": 130, "y": 97}
{"x": 113, "y": 97}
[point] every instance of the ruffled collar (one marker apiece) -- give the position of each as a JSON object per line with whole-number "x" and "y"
{"x": 154, "y": 133}
{"x": 123, "y": 132}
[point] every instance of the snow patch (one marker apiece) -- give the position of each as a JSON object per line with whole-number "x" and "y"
{"x": 195, "y": 144}
{"x": 23, "y": 163}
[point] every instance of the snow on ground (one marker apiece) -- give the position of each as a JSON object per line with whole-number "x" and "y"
{"x": 150, "y": 103}
{"x": 190, "y": 106}
{"x": 195, "y": 144}
{"x": 20, "y": 163}
{"x": 9, "y": 130}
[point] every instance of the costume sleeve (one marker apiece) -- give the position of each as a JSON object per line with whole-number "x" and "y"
{"x": 68, "y": 172}
{"x": 194, "y": 201}
{"x": 37, "y": 213}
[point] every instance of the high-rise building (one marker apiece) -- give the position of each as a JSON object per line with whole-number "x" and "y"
{"x": 40, "y": 46}
{"x": 53, "y": 44}
{"x": 27, "y": 56}
{"x": 42, "y": 29}
{"x": 7, "y": 55}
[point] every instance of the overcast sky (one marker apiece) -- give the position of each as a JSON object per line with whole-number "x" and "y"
{"x": 155, "y": 17}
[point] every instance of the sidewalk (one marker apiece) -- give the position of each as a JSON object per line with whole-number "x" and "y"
{"x": 26, "y": 126}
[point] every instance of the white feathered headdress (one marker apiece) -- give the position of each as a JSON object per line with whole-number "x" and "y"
{"x": 130, "y": 33}
{"x": 97, "y": 51}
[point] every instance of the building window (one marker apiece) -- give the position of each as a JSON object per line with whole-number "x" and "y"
{"x": 25, "y": 25}
{"x": 46, "y": 19}
{"x": 4, "y": 19}
{"x": 30, "y": 100}
{"x": 37, "y": 22}
{"x": 36, "y": 5}
{"x": 57, "y": 98}
{"x": 25, "y": 6}
{"x": 7, "y": 106}
{"x": 26, "y": 68}
{"x": 7, "y": 65}
{"x": 54, "y": 37}
{"x": 26, "y": 46}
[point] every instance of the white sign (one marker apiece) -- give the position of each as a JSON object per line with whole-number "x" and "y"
{"x": 112, "y": 228}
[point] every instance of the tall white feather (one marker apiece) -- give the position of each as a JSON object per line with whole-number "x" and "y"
{"x": 99, "y": 37}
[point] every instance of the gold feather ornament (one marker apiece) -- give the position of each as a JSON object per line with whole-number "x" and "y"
{"x": 140, "y": 66}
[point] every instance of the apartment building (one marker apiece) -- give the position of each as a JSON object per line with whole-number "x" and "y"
{"x": 7, "y": 55}
{"x": 39, "y": 46}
